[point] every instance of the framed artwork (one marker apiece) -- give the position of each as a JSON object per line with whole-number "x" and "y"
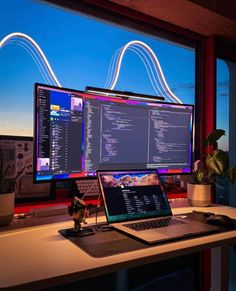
{"x": 18, "y": 158}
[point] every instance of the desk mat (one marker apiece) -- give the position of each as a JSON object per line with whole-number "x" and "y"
{"x": 107, "y": 243}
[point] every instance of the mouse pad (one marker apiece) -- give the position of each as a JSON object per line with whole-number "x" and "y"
{"x": 107, "y": 243}
{"x": 203, "y": 218}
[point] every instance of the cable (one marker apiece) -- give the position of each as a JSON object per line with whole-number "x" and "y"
{"x": 98, "y": 206}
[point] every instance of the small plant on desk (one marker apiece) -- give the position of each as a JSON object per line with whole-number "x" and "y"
{"x": 215, "y": 166}
{"x": 216, "y": 162}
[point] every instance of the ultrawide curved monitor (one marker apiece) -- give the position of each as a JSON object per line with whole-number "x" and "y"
{"x": 77, "y": 134}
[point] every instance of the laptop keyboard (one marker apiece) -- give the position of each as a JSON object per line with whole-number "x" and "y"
{"x": 144, "y": 225}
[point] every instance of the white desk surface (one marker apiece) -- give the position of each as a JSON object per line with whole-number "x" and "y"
{"x": 38, "y": 257}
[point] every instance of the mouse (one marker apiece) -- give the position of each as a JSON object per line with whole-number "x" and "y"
{"x": 220, "y": 220}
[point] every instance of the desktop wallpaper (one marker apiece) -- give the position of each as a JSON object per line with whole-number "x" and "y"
{"x": 46, "y": 44}
{"x": 129, "y": 180}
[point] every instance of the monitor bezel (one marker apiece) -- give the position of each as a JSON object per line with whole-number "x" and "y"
{"x": 172, "y": 172}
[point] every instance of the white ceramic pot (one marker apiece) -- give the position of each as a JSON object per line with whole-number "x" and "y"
{"x": 199, "y": 195}
{"x": 7, "y": 202}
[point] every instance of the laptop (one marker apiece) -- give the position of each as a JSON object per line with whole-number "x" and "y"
{"x": 136, "y": 204}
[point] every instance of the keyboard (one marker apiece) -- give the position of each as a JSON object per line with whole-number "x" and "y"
{"x": 157, "y": 223}
{"x": 88, "y": 187}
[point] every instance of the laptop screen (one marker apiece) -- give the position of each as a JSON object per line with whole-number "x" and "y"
{"x": 132, "y": 194}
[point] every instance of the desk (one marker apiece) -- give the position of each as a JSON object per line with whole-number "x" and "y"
{"x": 39, "y": 257}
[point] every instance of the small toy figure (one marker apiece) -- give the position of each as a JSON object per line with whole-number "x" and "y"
{"x": 78, "y": 211}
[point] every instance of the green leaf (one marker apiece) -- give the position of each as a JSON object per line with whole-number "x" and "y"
{"x": 217, "y": 163}
{"x": 231, "y": 173}
{"x": 214, "y": 136}
{"x": 199, "y": 176}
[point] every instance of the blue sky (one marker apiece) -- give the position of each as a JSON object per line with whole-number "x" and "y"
{"x": 222, "y": 108}
{"x": 79, "y": 50}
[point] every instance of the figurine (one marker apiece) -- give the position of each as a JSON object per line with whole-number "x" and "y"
{"x": 78, "y": 211}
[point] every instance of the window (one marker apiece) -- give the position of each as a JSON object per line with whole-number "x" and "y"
{"x": 225, "y": 119}
{"x": 82, "y": 51}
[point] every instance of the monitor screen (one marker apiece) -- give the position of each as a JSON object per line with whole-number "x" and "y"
{"x": 77, "y": 133}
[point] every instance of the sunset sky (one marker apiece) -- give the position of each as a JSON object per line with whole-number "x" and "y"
{"x": 79, "y": 49}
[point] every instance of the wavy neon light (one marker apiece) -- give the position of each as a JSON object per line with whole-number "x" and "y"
{"x": 144, "y": 52}
{"x": 7, "y": 39}
{"x": 152, "y": 66}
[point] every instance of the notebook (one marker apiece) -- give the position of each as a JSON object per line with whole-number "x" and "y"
{"x": 136, "y": 204}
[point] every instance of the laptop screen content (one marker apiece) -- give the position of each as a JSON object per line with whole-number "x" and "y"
{"x": 130, "y": 195}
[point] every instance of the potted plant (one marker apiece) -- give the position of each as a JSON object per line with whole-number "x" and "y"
{"x": 206, "y": 173}
{"x": 7, "y": 196}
